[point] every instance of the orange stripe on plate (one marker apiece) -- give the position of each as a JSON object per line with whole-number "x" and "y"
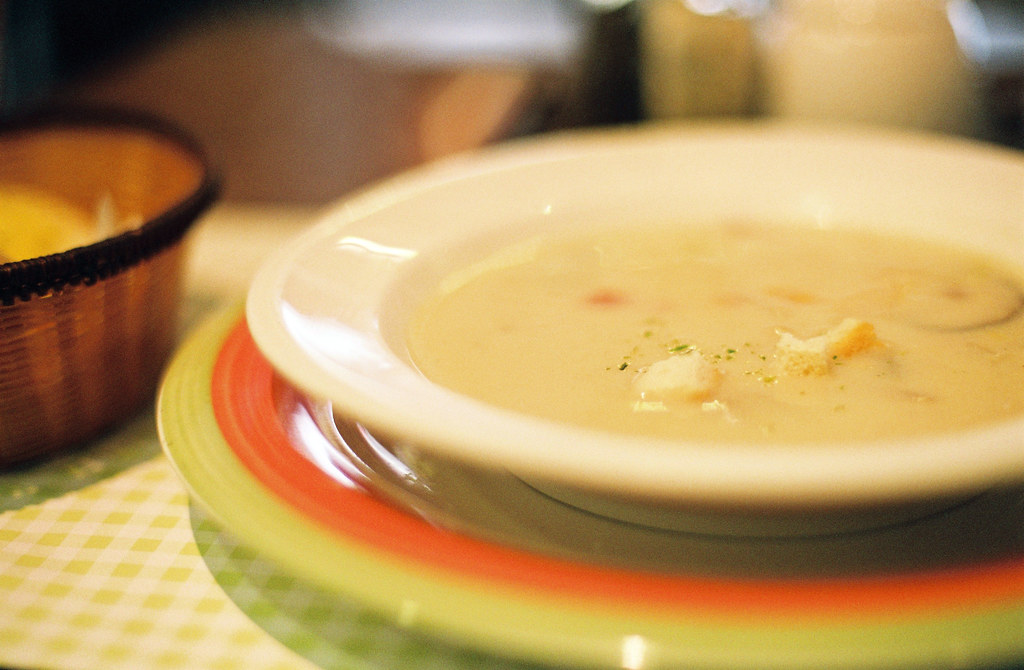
{"x": 248, "y": 401}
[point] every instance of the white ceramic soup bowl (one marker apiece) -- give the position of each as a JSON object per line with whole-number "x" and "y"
{"x": 330, "y": 310}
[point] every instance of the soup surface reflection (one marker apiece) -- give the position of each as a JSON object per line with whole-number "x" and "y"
{"x": 733, "y": 332}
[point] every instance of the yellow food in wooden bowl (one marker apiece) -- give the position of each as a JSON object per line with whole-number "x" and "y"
{"x": 36, "y": 223}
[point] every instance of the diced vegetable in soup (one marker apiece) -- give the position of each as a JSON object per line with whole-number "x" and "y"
{"x": 734, "y": 332}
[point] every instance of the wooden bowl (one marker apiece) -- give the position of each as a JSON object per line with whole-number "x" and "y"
{"x": 85, "y": 332}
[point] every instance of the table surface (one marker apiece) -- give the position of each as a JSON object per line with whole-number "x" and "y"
{"x": 104, "y": 564}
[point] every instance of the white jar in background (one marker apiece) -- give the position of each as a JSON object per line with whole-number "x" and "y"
{"x": 892, "y": 62}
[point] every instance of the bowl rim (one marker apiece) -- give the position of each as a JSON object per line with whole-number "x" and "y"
{"x": 21, "y": 280}
{"x": 731, "y": 474}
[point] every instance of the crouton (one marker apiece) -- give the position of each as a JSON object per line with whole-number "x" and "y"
{"x": 686, "y": 375}
{"x": 816, "y": 355}
{"x": 802, "y": 357}
{"x": 850, "y": 337}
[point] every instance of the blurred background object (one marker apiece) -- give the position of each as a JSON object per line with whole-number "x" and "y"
{"x": 893, "y": 62}
{"x": 992, "y": 34}
{"x": 305, "y": 100}
{"x": 698, "y": 57}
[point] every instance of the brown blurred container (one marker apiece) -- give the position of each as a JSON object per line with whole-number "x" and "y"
{"x": 84, "y": 334}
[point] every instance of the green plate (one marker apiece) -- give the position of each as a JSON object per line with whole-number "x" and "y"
{"x": 522, "y": 614}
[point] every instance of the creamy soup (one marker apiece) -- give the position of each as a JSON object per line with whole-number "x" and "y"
{"x": 733, "y": 332}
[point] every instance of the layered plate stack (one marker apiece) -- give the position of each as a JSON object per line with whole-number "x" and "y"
{"x": 303, "y": 429}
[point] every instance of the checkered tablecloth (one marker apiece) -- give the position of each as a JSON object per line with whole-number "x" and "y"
{"x": 100, "y": 563}
{"x": 110, "y": 576}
